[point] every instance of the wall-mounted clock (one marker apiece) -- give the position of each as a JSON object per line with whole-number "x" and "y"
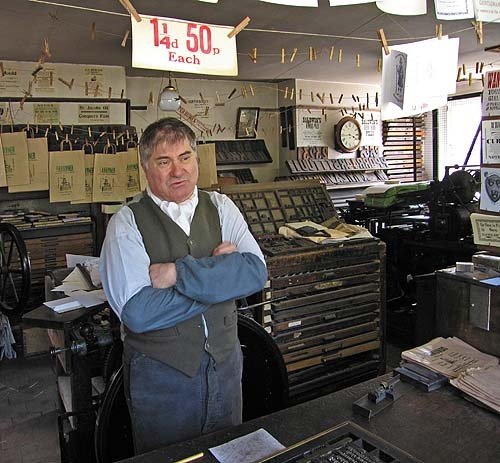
{"x": 348, "y": 134}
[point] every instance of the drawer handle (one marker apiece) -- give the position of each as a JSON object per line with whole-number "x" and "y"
{"x": 328, "y": 284}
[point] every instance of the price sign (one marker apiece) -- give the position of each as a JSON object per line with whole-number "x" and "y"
{"x": 184, "y": 46}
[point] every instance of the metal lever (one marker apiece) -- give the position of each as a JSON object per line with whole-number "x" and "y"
{"x": 82, "y": 347}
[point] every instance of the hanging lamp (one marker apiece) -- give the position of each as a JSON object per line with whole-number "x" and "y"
{"x": 169, "y": 99}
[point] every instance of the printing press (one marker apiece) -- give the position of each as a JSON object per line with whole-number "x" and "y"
{"x": 426, "y": 226}
{"x": 324, "y": 304}
{"x": 94, "y": 425}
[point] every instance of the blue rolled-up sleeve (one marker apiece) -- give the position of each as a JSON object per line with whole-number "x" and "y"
{"x": 154, "y": 309}
{"x": 215, "y": 279}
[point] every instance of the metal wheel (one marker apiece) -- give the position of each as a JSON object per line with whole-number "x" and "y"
{"x": 15, "y": 270}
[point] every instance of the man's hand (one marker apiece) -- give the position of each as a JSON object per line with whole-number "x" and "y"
{"x": 163, "y": 275}
{"x": 224, "y": 248}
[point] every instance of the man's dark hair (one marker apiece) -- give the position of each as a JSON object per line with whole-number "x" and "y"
{"x": 167, "y": 130}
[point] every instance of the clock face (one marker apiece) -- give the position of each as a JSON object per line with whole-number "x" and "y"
{"x": 348, "y": 134}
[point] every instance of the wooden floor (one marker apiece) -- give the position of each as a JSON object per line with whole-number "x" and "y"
{"x": 29, "y": 409}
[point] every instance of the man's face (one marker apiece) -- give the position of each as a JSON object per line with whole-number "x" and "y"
{"x": 172, "y": 171}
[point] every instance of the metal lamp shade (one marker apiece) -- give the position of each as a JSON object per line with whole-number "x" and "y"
{"x": 169, "y": 99}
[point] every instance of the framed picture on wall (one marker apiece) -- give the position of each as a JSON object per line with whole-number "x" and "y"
{"x": 246, "y": 122}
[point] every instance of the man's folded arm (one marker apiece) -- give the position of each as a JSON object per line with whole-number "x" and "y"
{"x": 153, "y": 309}
{"x": 215, "y": 279}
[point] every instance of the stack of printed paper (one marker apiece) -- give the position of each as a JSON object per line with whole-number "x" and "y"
{"x": 475, "y": 373}
{"x": 449, "y": 356}
{"x": 64, "y": 304}
{"x": 482, "y": 385}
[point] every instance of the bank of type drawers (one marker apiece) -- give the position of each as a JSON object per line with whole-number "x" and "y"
{"x": 47, "y": 249}
{"x": 325, "y": 304}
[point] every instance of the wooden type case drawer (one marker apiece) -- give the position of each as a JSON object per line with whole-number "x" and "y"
{"x": 327, "y": 309}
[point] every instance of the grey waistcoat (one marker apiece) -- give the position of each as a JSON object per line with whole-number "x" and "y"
{"x": 183, "y": 345}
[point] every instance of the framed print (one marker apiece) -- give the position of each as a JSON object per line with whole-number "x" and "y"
{"x": 246, "y": 123}
{"x": 490, "y": 137}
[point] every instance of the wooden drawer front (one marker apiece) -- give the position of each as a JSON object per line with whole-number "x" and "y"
{"x": 323, "y": 257}
{"x": 49, "y": 253}
{"x": 325, "y": 313}
{"x": 344, "y": 350}
{"x": 324, "y": 328}
{"x": 324, "y": 317}
{"x": 40, "y": 248}
{"x": 326, "y": 274}
{"x": 304, "y": 343}
{"x": 325, "y": 290}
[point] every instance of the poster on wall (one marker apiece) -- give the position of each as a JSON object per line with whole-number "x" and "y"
{"x": 94, "y": 80}
{"x": 190, "y": 119}
{"x": 372, "y": 132}
{"x": 486, "y": 229}
{"x": 454, "y": 9}
{"x": 61, "y": 80}
{"x": 487, "y": 10}
{"x": 47, "y": 113}
{"x": 44, "y": 81}
{"x": 491, "y": 94}
{"x": 310, "y": 129}
{"x": 200, "y": 108}
{"x": 184, "y": 46}
{"x": 10, "y": 82}
{"x": 93, "y": 113}
{"x": 491, "y": 141}
{"x": 4, "y": 113}
{"x": 490, "y": 189}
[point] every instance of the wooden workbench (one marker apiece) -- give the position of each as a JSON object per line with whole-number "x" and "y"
{"x": 440, "y": 426}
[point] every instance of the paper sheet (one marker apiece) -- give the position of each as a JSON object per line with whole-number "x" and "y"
{"x": 341, "y": 232}
{"x": 310, "y": 3}
{"x": 421, "y": 81}
{"x": 247, "y": 449}
{"x": 75, "y": 280}
{"x": 482, "y": 385}
{"x": 406, "y": 7}
{"x": 487, "y": 10}
{"x": 68, "y": 288}
{"x": 91, "y": 263}
{"x": 348, "y": 2}
{"x": 449, "y": 356}
{"x": 89, "y": 298}
{"x": 454, "y": 9}
{"x": 486, "y": 229}
{"x": 73, "y": 259}
{"x": 64, "y": 304}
